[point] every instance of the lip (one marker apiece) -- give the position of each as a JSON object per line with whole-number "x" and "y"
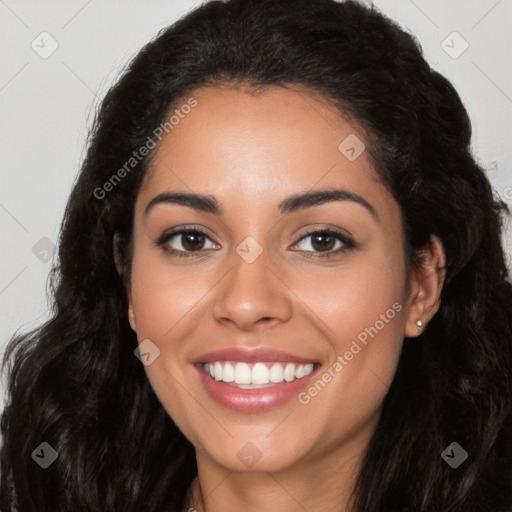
{"x": 254, "y": 400}
{"x": 244, "y": 355}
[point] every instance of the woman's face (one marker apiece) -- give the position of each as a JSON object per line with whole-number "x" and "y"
{"x": 256, "y": 297}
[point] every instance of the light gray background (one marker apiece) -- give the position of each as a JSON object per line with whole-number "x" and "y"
{"x": 47, "y": 105}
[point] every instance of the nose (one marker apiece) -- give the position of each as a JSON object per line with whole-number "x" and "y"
{"x": 253, "y": 294}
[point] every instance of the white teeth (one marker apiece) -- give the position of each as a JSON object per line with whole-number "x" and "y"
{"x": 242, "y": 373}
{"x": 256, "y": 375}
{"x": 252, "y": 386}
{"x": 276, "y": 373}
{"x": 260, "y": 374}
{"x": 289, "y": 372}
{"x": 217, "y": 368}
{"x": 228, "y": 373}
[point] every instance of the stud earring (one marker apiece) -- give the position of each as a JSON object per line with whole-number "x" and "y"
{"x": 419, "y": 323}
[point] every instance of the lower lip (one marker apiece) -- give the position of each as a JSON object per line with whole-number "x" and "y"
{"x": 253, "y": 400}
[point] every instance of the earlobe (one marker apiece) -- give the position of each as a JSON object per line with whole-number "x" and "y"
{"x": 426, "y": 287}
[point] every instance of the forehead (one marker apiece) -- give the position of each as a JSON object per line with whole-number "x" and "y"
{"x": 251, "y": 146}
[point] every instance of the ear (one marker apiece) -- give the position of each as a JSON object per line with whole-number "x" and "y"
{"x": 121, "y": 267}
{"x": 131, "y": 316}
{"x": 425, "y": 287}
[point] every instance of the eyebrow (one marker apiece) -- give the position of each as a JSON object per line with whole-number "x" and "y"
{"x": 293, "y": 203}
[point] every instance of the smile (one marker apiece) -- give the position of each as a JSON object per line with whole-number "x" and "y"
{"x": 256, "y": 375}
{"x": 255, "y": 387}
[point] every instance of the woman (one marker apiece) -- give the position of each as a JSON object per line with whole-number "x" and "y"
{"x": 342, "y": 338}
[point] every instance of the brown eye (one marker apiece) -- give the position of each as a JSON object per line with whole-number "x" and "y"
{"x": 192, "y": 240}
{"x": 185, "y": 241}
{"x": 326, "y": 241}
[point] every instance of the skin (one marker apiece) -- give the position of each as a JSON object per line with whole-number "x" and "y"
{"x": 251, "y": 151}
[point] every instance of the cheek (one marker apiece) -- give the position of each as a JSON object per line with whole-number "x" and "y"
{"x": 162, "y": 296}
{"x": 356, "y": 296}
{"x": 164, "y": 302}
{"x": 362, "y": 313}
{"x": 365, "y": 331}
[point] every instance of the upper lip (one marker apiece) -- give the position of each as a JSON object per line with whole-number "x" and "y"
{"x": 260, "y": 354}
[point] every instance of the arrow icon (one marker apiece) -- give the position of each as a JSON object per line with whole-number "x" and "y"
{"x": 351, "y": 147}
{"x": 44, "y": 44}
{"x": 454, "y": 45}
{"x": 249, "y": 252}
{"x": 454, "y": 455}
{"x": 147, "y": 352}
{"x": 43, "y": 250}
{"x": 249, "y": 454}
{"x": 44, "y": 455}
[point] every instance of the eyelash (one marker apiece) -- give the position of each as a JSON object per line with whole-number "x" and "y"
{"x": 348, "y": 244}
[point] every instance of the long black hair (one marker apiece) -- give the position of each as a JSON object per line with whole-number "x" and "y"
{"x": 74, "y": 382}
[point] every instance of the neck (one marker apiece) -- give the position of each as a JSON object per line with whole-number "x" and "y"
{"x": 318, "y": 484}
